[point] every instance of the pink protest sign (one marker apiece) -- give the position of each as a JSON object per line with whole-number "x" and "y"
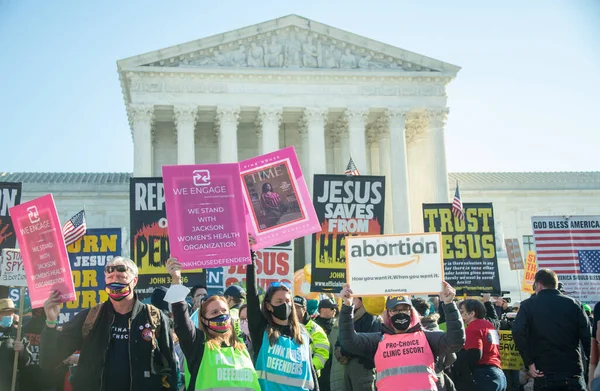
{"x": 43, "y": 250}
{"x": 205, "y": 210}
{"x": 278, "y": 204}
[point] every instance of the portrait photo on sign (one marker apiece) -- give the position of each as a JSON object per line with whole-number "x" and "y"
{"x": 272, "y": 196}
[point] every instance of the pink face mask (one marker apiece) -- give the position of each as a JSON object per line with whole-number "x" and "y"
{"x": 244, "y": 326}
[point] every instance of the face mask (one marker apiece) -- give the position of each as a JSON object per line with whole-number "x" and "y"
{"x": 219, "y": 324}
{"x": 400, "y": 321}
{"x": 6, "y": 321}
{"x": 244, "y": 327}
{"x": 282, "y": 311}
{"x": 117, "y": 291}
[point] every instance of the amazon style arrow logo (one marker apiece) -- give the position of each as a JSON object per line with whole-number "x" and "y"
{"x": 413, "y": 259}
{"x": 201, "y": 177}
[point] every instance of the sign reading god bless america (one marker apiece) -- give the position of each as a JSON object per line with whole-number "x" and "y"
{"x": 388, "y": 264}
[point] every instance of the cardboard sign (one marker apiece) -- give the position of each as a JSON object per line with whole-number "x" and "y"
{"x": 272, "y": 264}
{"x": 529, "y": 275}
{"x": 515, "y": 259}
{"x": 12, "y": 272}
{"x": 408, "y": 264}
{"x": 205, "y": 209}
{"x": 10, "y": 195}
{"x": 43, "y": 250}
{"x": 346, "y": 206}
{"x": 509, "y": 355}
{"x": 278, "y": 204}
{"x": 469, "y": 246}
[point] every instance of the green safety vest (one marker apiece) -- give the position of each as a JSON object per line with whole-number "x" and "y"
{"x": 223, "y": 369}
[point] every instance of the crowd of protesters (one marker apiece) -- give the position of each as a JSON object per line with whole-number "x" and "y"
{"x": 240, "y": 340}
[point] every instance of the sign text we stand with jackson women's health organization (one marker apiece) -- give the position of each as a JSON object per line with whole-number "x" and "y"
{"x": 205, "y": 210}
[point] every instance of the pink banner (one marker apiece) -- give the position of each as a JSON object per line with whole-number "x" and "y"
{"x": 43, "y": 250}
{"x": 205, "y": 211}
{"x": 278, "y": 204}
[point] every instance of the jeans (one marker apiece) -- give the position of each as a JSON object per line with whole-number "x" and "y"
{"x": 489, "y": 378}
{"x": 559, "y": 383}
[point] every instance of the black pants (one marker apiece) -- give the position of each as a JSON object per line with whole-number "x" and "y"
{"x": 559, "y": 383}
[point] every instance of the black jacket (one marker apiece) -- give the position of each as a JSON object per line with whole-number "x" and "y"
{"x": 366, "y": 324}
{"x": 548, "y": 332}
{"x": 148, "y": 363}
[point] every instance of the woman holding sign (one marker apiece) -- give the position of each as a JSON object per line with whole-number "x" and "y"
{"x": 215, "y": 358}
{"x": 281, "y": 344}
{"x": 405, "y": 355}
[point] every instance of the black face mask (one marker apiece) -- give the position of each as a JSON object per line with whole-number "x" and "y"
{"x": 401, "y": 321}
{"x": 282, "y": 311}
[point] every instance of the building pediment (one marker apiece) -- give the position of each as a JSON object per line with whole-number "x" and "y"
{"x": 291, "y": 42}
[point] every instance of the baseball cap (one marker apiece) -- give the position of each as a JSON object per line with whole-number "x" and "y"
{"x": 393, "y": 301}
{"x": 7, "y": 305}
{"x": 301, "y": 301}
{"x": 326, "y": 303}
{"x": 235, "y": 291}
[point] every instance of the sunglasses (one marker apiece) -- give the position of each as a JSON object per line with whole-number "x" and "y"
{"x": 118, "y": 268}
{"x": 279, "y": 284}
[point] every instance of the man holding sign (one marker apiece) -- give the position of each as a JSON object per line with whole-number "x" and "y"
{"x": 124, "y": 344}
{"x": 405, "y": 355}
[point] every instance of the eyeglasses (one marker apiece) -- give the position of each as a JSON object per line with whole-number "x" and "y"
{"x": 400, "y": 311}
{"x": 118, "y": 268}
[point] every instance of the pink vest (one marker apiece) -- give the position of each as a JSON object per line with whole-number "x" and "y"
{"x": 404, "y": 362}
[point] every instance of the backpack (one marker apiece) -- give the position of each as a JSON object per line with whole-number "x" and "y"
{"x": 92, "y": 316}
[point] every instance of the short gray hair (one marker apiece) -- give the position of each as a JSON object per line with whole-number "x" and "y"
{"x": 127, "y": 262}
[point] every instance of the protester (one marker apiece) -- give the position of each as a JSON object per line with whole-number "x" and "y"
{"x": 235, "y": 296}
{"x": 481, "y": 352}
{"x": 244, "y": 329}
{"x": 215, "y": 358}
{"x": 548, "y": 332}
{"x": 124, "y": 344}
{"x": 274, "y": 329}
{"x": 319, "y": 344}
{"x": 359, "y": 370}
{"x": 404, "y": 353}
{"x": 31, "y": 376}
{"x": 8, "y": 334}
{"x": 198, "y": 293}
{"x": 333, "y": 370}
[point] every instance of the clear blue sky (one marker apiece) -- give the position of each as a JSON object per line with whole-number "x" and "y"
{"x": 527, "y": 98}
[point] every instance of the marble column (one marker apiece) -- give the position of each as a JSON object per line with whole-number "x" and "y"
{"x": 185, "y": 123}
{"x": 227, "y": 123}
{"x": 141, "y": 117}
{"x": 383, "y": 141}
{"x": 269, "y": 119}
{"x": 314, "y": 120}
{"x": 337, "y": 158}
{"x": 421, "y": 176}
{"x": 356, "y": 119}
{"x": 342, "y": 132}
{"x": 373, "y": 149}
{"x": 399, "y": 170}
{"x": 437, "y": 121}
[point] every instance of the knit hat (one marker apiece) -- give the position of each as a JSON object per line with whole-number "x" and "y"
{"x": 311, "y": 306}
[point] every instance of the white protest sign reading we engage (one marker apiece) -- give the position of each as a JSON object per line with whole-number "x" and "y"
{"x": 388, "y": 264}
{"x": 12, "y": 272}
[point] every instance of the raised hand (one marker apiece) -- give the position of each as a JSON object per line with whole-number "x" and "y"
{"x": 346, "y": 295}
{"x": 174, "y": 269}
{"x": 52, "y": 307}
{"x": 251, "y": 240}
{"x": 447, "y": 294}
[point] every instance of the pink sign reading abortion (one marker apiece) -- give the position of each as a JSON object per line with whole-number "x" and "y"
{"x": 205, "y": 211}
{"x": 43, "y": 250}
{"x": 278, "y": 205}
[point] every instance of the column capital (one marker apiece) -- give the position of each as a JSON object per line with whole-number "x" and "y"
{"x": 302, "y": 128}
{"x": 138, "y": 112}
{"x": 396, "y": 113}
{"x": 228, "y": 115}
{"x": 373, "y": 134}
{"x": 416, "y": 126}
{"x": 356, "y": 115}
{"x": 185, "y": 114}
{"x": 269, "y": 114}
{"x": 437, "y": 117}
{"x": 315, "y": 115}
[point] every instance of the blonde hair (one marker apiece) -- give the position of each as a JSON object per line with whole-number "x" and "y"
{"x": 214, "y": 341}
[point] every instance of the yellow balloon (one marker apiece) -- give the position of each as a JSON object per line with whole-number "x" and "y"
{"x": 375, "y": 305}
{"x": 308, "y": 273}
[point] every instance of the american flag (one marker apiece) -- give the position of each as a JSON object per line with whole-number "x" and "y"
{"x": 351, "y": 168}
{"x": 568, "y": 249}
{"x": 75, "y": 228}
{"x": 457, "y": 206}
